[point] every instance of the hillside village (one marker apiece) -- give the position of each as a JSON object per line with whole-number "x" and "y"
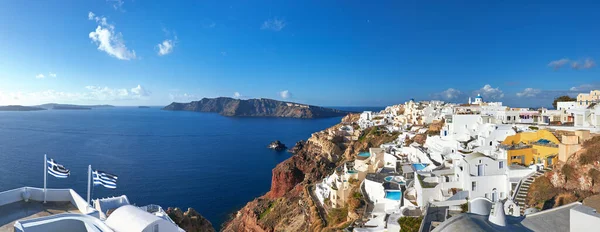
{"x": 459, "y": 167}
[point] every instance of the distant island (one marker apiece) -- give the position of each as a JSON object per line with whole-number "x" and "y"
{"x": 20, "y": 108}
{"x": 56, "y": 106}
{"x": 255, "y": 108}
{"x": 143, "y": 107}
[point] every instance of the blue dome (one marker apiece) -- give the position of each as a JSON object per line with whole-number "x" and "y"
{"x": 479, "y": 96}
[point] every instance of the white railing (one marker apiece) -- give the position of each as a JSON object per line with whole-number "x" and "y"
{"x": 514, "y": 196}
{"x": 52, "y": 195}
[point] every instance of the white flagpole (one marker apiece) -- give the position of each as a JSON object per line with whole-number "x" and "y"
{"x": 89, "y": 182}
{"x": 45, "y": 175}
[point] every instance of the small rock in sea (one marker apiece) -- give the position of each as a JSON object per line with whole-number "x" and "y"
{"x": 299, "y": 145}
{"x": 277, "y": 145}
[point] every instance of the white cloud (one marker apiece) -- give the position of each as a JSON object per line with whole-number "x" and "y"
{"x": 140, "y": 91}
{"x": 450, "y": 94}
{"x": 585, "y": 87}
{"x": 108, "y": 40}
{"x": 116, "y": 4}
{"x": 51, "y": 74}
{"x": 487, "y": 91}
{"x": 184, "y": 97}
{"x": 40, "y": 76}
{"x": 165, "y": 47}
{"x": 91, "y": 93}
{"x": 529, "y": 92}
{"x": 237, "y": 95}
{"x": 557, "y": 64}
{"x": 285, "y": 94}
{"x": 583, "y": 64}
{"x": 274, "y": 24}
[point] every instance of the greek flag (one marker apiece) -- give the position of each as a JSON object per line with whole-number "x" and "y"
{"x": 57, "y": 170}
{"x": 105, "y": 179}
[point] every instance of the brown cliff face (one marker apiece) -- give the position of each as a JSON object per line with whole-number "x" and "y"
{"x": 288, "y": 206}
{"x": 190, "y": 221}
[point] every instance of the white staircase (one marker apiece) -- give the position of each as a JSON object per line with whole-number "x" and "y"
{"x": 521, "y": 194}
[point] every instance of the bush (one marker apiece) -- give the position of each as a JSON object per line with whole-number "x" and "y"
{"x": 595, "y": 175}
{"x": 337, "y": 216}
{"x": 592, "y": 152}
{"x": 464, "y": 208}
{"x": 410, "y": 224}
{"x": 541, "y": 190}
{"x": 568, "y": 171}
{"x": 534, "y": 128}
{"x": 564, "y": 198}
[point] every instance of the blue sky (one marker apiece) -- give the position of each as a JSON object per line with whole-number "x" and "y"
{"x": 343, "y": 53}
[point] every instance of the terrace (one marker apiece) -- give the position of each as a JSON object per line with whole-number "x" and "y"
{"x": 26, "y": 204}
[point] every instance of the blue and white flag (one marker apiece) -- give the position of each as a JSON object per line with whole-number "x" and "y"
{"x": 57, "y": 170}
{"x": 105, "y": 179}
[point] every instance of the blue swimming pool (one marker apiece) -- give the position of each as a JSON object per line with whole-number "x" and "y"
{"x": 364, "y": 154}
{"x": 352, "y": 171}
{"x": 393, "y": 195}
{"x": 419, "y": 167}
{"x": 388, "y": 178}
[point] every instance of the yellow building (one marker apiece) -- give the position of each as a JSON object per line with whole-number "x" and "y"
{"x": 584, "y": 99}
{"x": 526, "y": 148}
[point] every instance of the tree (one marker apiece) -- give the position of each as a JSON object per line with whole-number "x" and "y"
{"x": 564, "y": 98}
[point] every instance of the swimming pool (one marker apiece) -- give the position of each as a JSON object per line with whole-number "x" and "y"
{"x": 352, "y": 171}
{"x": 364, "y": 154}
{"x": 393, "y": 195}
{"x": 419, "y": 167}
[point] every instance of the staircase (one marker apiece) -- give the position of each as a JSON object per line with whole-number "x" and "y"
{"x": 523, "y": 189}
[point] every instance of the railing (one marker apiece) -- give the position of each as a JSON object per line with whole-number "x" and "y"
{"x": 514, "y": 196}
{"x": 515, "y": 147}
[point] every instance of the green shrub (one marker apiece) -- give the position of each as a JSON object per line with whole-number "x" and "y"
{"x": 595, "y": 175}
{"x": 540, "y": 191}
{"x": 337, "y": 216}
{"x": 568, "y": 171}
{"x": 592, "y": 152}
{"x": 464, "y": 208}
{"x": 410, "y": 224}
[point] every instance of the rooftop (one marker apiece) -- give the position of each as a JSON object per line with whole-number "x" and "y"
{"x": 557, "y": 219}
{"x": 21, "y": 210}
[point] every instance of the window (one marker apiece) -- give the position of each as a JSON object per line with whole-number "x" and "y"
{"x": 490, "y": 143}
{"x": 487, "y": 196}
{"x": 473, "y": 186}
{"x": 155, "y": 229}
{"x": 501, "y": 195}
{"x": 501, "y": 164}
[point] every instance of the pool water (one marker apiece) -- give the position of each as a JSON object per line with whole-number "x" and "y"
{"x": 364, "y": 154}
{"x": 352, "y": 171}
{"x": 393, "y": 195}
{"x": 419, "y": 167}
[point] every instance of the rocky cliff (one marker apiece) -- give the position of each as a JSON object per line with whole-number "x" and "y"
{"x": 288, "y": 206}
{"x": 190, "y": 221}
{"x": 255, "y": 108}
{"x": 570, "y": 181}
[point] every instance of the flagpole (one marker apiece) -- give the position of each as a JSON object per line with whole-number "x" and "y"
{"x": 45, "y": 175}
{"x": 89, "y": 182}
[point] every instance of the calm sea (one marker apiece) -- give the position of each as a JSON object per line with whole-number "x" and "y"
{"x": 212, "y": 163}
